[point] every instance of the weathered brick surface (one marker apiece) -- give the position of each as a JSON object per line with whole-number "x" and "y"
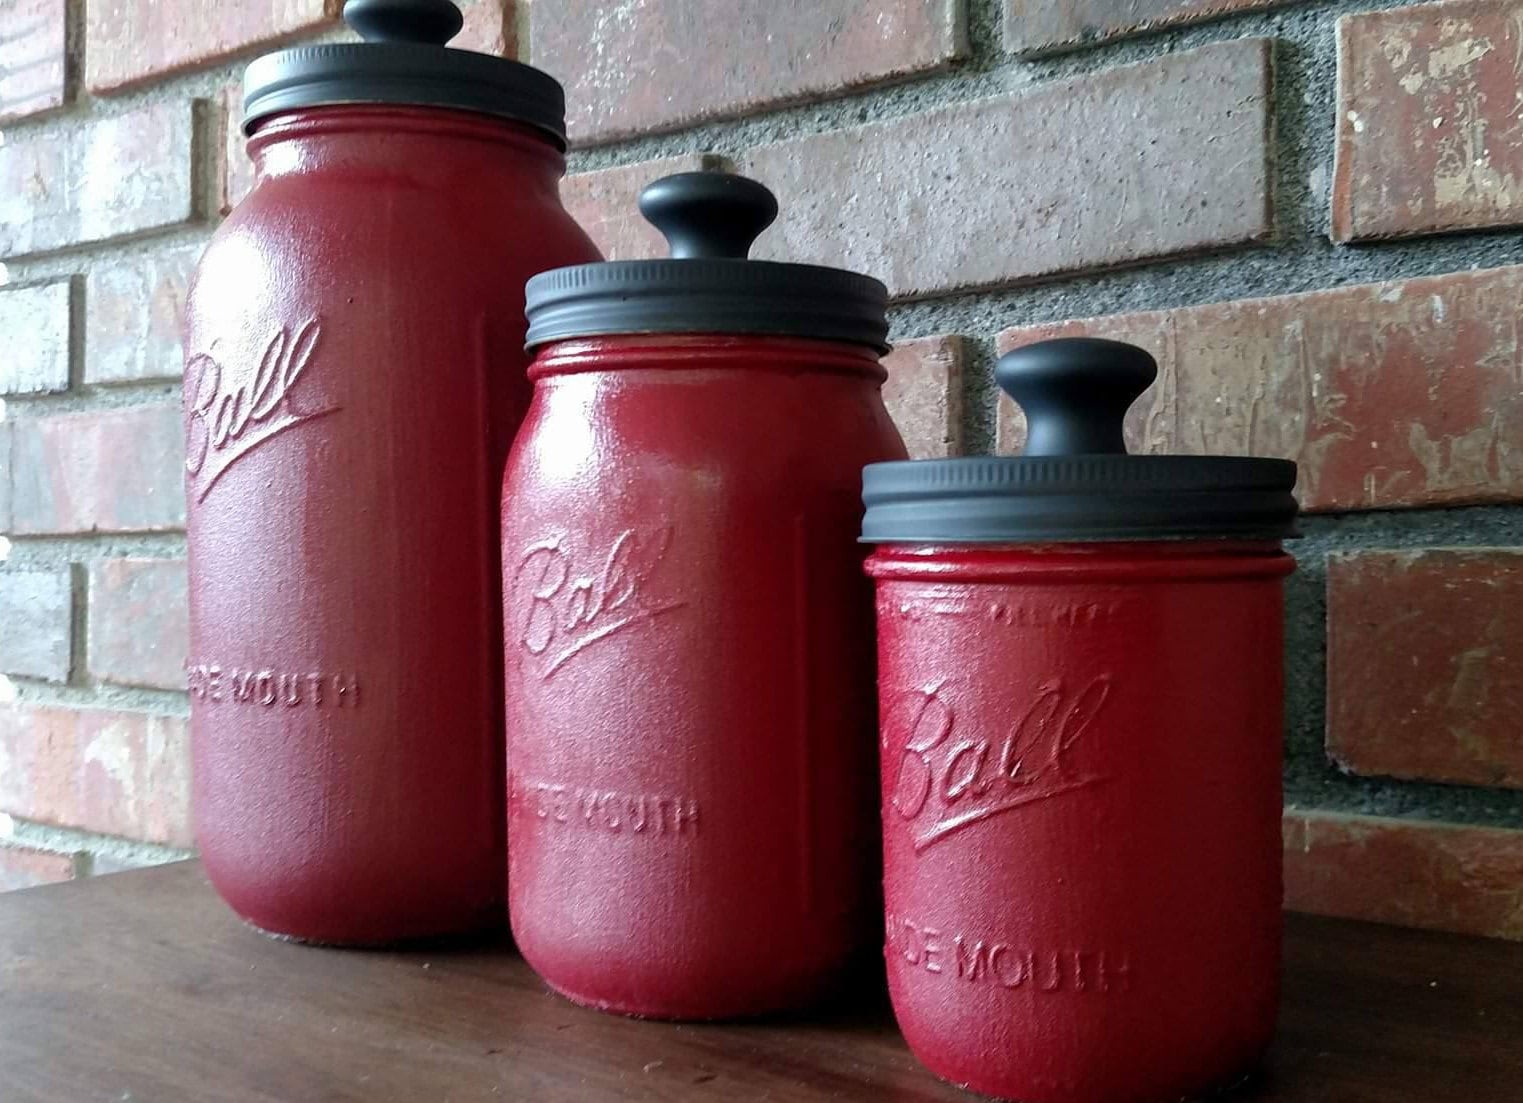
{"x": 235, "y": 171}
{"x": 107, "y": 471}
{"x": 1165, "y": 157}
{"x": 22, "y": 867}
{"x": 603, "y": 203}
{"x": 1425, "y": 664}
{"x": 923, "y": 394}
{"x": 35, "y": 628}
{"x": 130, "y": 41}
{"x": 35, "y": 324}
{"x": 139, "y": 623}
{"x": 1412, "y": 872}
{"x": 110, "y": 178}
{"x": 647, "y": 65}
{"x": 33, "y": 60}
{"x": 1045, "y": 26}
{"x": 1388, "y": 395}
{"x": 1428, "y": 109}
{"x": 489, "y": 27}
{"x": 118, "y": 773}
{"x": 132, "y": 316}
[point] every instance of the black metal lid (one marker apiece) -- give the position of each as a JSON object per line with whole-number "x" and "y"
{"x": 1075, "y": 480}
{"x": 403, "y": 60}
{"x": 709, "y": 220}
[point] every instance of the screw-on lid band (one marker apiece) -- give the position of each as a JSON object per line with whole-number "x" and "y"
{"x": 707, "y": 285}
{"x": 1075, "y": 481}
{"x": 404, "y": 61}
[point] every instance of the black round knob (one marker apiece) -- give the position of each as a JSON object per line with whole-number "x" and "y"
{"x": 708, "y": 214}
{"x": 1075, "y": 392}
{"x": 433, "y": 22}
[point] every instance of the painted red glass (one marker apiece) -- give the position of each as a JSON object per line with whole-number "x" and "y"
{"x": 354, "y": 375}
{"x": 692, "y": 806}
{"x": 1081, "y": 750}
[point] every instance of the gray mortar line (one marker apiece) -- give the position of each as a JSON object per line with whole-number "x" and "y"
{"x": 102, "y": 695}
{"x": 68, "y": 840}
{"x": 53, "y": 551}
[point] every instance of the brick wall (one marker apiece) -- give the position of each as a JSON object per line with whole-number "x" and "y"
{"x": 1306, "y": 210}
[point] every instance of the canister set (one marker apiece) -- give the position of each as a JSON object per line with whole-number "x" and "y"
{"x": 604, "y": 650}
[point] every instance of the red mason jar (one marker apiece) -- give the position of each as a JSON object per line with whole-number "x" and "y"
{"x": 691, "y": 804}
{"x": 1079, "y": 664}
{"x": 354, "y": 376}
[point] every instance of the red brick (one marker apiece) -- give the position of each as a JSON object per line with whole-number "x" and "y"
{"x": 132, "y": 316}
{"x": 235, "y": 171}
{"x": 139, "y": 622}
{"x": 35, "y": 322}
{"x": 105, "y": 471}
{"x": 604, "y": 203}
{"x": 1424, "y": 667}
{"x": 1045, "y": 26}
{"x": 490, "y": 27}
{"x": 1388, "y": 395}
{"x": 1428, "y": 134}
{"x": 924, "y": 394}
{"x": 111, "y": 178}
{"x": 1411, "y": 872}
{"x": 130, "y": 41}
{"x": 118, "y": 773}
{"x": 36, "y": 609}
{"x": 1150, "y": 160}
{"x": 649, "y": 65}
{"x": 22, "y": 867}
{"x": 33, "y": 58}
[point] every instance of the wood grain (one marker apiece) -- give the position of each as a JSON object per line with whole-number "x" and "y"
{"x": 142, "y": 986}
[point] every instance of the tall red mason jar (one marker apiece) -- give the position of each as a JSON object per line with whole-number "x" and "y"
{"x": 1080, "y": 687}
{"x": 692, "y": 802}
{"x": 354, "y": 375}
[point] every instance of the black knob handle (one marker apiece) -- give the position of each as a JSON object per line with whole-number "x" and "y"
{"x": 1075, "y": 392}
{"x": 427, "y": 21}
{"x": 708, "y": 214}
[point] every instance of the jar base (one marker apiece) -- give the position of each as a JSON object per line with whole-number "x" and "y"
{"x": 711, "y": 1013}
{"x": 463, "y": 937}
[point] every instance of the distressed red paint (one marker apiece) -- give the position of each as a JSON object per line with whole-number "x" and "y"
{"x": 1081, "y": 812}
{"x": 689, "y": 663}
{"x": 352, "y": 386}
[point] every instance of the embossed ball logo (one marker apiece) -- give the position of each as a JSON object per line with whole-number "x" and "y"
{"x": 947, "y": 782}
{"x": 563, "y": 602}
{"x": 230, "y": 412}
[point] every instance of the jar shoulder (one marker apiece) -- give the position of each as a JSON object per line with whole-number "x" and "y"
{"x": 290, "y": 215}
{"x": 279, "y": 246}
{"x": 718, "y": 433}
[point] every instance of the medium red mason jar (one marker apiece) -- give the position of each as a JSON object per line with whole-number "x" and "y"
{"x": 354, "y": 375}
{"x": 692, "y": 804}
{"x": 1079, "y": 663}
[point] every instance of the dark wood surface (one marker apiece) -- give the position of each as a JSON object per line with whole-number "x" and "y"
{"x": 142, "y": 988}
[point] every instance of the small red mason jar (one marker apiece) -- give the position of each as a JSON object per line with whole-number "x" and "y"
{"x": 354, "y": 375}
{"x": 1079, "y": 664}
{"x": 692, "y": 804}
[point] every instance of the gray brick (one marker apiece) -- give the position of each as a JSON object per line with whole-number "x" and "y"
{"x": 35, "y": 630}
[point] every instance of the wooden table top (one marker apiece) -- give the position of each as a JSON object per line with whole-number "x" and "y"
{"x": 142, "y": 988}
